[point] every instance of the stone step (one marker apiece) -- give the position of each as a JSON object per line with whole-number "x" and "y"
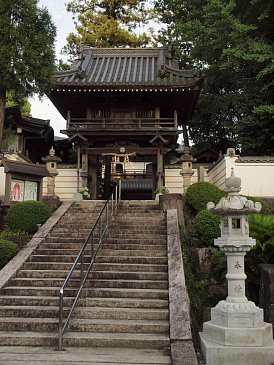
{"x": 143, "y": 240}
{"x": 123, "y": 283}
{"x": 97, "y": 268}
{"x": 84, "y": 325}
{"x": 30, "y": 355}
{"x": 56, "y": 249}
{"x": 131, "y": 253}
{"x": 56, "y": 258}
{"x": 97, "y": 281}
{"x": 132, "y": 260}
{"x": 88, "y": 302}
{"x": 86, "y": 339}
{"x": 83, "y": 312}
{"x": 103, "y": 292}
{"x": 62, "y": 239}
{"x": 130, "y": 275}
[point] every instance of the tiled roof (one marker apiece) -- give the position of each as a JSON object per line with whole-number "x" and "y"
{"x": 25, "y": 168}
{"x": 127, "y": 68}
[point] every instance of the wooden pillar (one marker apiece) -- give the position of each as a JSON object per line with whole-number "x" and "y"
{"x": 160, "y": 167}
{"x": 78, "y": 166}
{"x": 84, "y": 173}
{"x": 92, "y": 172}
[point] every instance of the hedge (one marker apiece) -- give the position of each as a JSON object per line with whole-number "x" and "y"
{"x": 206, "y": 227}
{"x": 7, "y": 251}
{"x": 26, "y": 215}
{"x": 199, "y": 194}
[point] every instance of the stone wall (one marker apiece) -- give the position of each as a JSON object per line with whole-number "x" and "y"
{"x": 267, "y": 292}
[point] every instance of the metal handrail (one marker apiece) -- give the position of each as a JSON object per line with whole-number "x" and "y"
{"x": 99, "y": 227}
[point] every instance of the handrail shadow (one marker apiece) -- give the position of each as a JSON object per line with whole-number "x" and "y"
{"x": 81, "y": 263}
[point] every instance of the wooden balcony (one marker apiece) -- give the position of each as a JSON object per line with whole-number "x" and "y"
{"x": 129, "y": 124}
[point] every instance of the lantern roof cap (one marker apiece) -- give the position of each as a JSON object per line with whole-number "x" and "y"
{"x": 234, "y": 203}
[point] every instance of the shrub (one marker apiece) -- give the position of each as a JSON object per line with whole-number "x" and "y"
{"x": 199, "y": 194}
{"x": 265, "y": 209}
{"x": 7, "y": 251}
{"x": 206, "y": 227}
{"x": 7, "y": 233}
{"x": 261, "y": 228}
{"x": 26, "y": 215}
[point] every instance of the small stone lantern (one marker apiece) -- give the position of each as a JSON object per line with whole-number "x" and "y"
{"x": 187, "y": 160}
{"x": 51, "y": 164}
{"x": 237, "y": 333}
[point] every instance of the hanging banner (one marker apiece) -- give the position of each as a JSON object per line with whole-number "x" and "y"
{"x": 17, "y": 190}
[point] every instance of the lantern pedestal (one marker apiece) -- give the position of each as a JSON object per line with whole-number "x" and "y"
{"x": 217, "y": 354}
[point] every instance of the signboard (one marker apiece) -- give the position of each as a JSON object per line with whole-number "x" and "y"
{"x": 31, "y": 190}
{"x": 23, "y": 190}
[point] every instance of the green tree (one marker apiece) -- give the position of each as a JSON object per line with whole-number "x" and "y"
{"x": 24, "y": 104}
{"x": 107, "y": 23}
{"x": 232, "y": 41}
{"x": 26, "y": 51}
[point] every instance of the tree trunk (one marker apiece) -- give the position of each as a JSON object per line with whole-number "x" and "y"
{"x": 185, "y": 135}
{"x": 2, "y": 115}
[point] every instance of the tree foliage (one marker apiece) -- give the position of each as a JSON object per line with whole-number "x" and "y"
{"x": 26, "y": 51}
{"x": 24, "y": 104}
{"x": 232, "y": 41}
{"x": 107, "y": 23}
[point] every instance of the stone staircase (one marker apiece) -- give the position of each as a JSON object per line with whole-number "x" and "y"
{"x": 125, "y": 300}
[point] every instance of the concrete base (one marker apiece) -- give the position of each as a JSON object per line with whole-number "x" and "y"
{"x": 216, "y": 354}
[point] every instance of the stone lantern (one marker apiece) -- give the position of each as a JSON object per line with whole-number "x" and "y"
{"x": 187, "y": 160}
{"x": 236, "y": 333}
{"x": 51, "y": 164}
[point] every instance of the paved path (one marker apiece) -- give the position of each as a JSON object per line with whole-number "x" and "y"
{"x": 19, "y": 355}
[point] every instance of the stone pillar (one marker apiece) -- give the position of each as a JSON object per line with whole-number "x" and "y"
{"x": 187, "y": 160}
{"x": 51, "y": 164}
{"x": 236, "y": 333}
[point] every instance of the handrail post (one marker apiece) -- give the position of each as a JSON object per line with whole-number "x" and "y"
{"x": 61, "y": 314}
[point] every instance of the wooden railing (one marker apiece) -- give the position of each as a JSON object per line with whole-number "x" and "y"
{"x": 122, "y": 123}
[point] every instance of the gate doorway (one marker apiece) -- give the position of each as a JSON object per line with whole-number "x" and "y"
{"x": 135, "y": 173}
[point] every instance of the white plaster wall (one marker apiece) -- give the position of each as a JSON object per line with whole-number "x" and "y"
{"x": 65, "y": 183}
{"x": 2, "y": 182}
{"x": 174, "y": 180}
{"x": 257, "y": 178}
{"x": 221, "y": 170}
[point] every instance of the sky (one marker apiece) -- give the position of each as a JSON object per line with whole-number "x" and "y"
{"x": 44, "y": 109}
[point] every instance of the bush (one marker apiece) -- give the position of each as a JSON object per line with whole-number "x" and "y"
{"x": 7, "y": 233}
{"x": 206, "y": 227}
{"x": 26, "y": 215}
{"x": 199, "y": 194}
{"x": 7, "y": 251}
{"x": 265, "y": 209}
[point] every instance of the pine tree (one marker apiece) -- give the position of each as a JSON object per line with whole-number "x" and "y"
{"x": 26, "y": 51}
{"x": 107, "y": 23}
